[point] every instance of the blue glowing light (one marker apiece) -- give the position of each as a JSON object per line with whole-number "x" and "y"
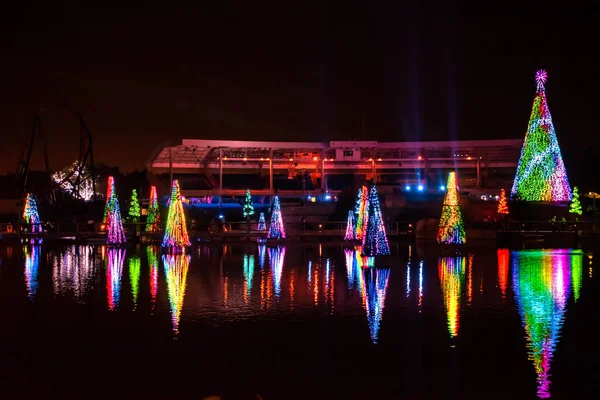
{"x": 442, "y": 188}
{"x": 420, "y": 188}
{"x": 407, "y": 188}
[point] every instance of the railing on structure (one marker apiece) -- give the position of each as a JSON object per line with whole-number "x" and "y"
{"x": 548, "y": 226}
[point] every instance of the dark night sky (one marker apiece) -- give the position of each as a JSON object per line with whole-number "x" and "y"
{"x": 150, "y": 72}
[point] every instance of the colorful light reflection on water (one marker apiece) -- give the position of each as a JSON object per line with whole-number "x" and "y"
{"x": 542, "y": 283}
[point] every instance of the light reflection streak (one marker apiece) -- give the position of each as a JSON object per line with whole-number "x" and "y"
{"x": 420, "y": 285}
{"x": 248, "y": 276}
{"x": 452, "y": 273}
{"x": 408, "y": 280}
{"x": 32, "y": 263}
{"x": 542, "y": 283}
{"x": 114, "y": 270}
{"x": 73, "y": 271}
{"x": 152, "y": 255}
{"x": 373, "y": 289}
{"x": 176, "y": 269}
{"x": 349, "y": 257}
{"x": 134, "y": 267}
{"x": 292, "y": 289}
{"x": 261, "y": 255}
{"x": 503, "y": 258}
{"x": 276, "y": 259}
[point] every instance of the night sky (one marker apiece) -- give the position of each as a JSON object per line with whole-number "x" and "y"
{"x": 145, "y": 73}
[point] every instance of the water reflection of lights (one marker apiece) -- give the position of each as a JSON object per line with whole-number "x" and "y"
{"x": 248, "y": 276}
{"x": 262, "y": 250}
{"x": 420, "y": 303}
{"x": 152, "y": 255}
{"x": 542, "y": 281}
{"x": 32, "y": 263}
{"x": 503, "y": 257}
{"x": 276, "y": 258}
{"x": 73, "y": 271}
{"x": 176, "y": 269}
{"x": 114, "y": 271}
{"x": 134, "y": 267}
{"x": 452, "y": 274}
{"x": 373, "y": 289}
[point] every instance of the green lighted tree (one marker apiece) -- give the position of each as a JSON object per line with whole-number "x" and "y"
{"x": 134, "y": 207}
{"x": 575, "y": 204}
{"x": 248, "y": 210}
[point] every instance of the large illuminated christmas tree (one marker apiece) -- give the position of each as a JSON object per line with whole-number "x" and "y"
{"x": 134, "y": 206}
{"x": 153, "y": 216}
{"x": 276, "y": 229}
{"x": 374, "y": 242}
{"x": 350, "y": 233}
{"x": 116, "y": 234}
{"x": 541, "y": 173}
{"x": 31, "y": 215}
{"x": 451, "y": 229}
{"x": 575, "y": 203}
{"x": 110, "y": 196}
{"x": 176, "y": 235}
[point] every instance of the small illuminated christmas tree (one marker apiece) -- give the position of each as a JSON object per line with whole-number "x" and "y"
{"x": 276, "y": 229}
{"x": 350, "y": 233}
{"x": 115, "y": 235}
{"x": 361, "y": 210}
{"x": 31, "y": 215}
{"x": 375, "y": 241}
{"x": 502, "y": 204}
{"x": 134, "y": 207}
{"x": 248, "y": 207}
{"x": 153, "y": 217}
{"x": 451, "y": 229}
{"x": 541, "y": 173}
{"x": 575, "y": 204}
{"x": 262, "y": 225}
{"x": 176, "y": 235}
{"x": 110, "y": 196}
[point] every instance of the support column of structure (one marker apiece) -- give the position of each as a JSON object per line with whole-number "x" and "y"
{"x": 478, "y": 172}
{"x": 425, "y": 182}
{"x": 374, "y": 170}
{"x": 220, "y": 177}
{"x": 171, "y": 166}
{"x": 271, "y": 170}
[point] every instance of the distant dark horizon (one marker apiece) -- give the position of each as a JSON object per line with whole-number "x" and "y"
{"x": 144, "y": 74}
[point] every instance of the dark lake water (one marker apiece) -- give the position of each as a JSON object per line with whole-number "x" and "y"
{"x": 300, "y": 321}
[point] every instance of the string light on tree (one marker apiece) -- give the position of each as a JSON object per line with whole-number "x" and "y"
{"x": 374, "y": 241}
{"x": 153, "y": 217}
{"x": 350, "y": 233}
{"x": 110, "y": 196}
{"x": 31, "y": 215}
{"x": 575, "y": 203}
{"x": 502, "y": 204}
{"x": 451, "y": 229}
{"x": 276, "y": 229}
{"x": 362, "y": 208}
{"x": 248, "y": 207}
{"x": 176, "y": 235}
{"x": 541, "y": 173}
{"x": 134, "y": 207}
{"x": 116, "y": 234}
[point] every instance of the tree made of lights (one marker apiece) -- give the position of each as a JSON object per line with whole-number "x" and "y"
{"x": 502, "y": 203}
{"x": 110, "y": 196}
{"x": 176, "y": 235}
{"x": 350, "y": 233}
{"x": 116, "y": 234}
{"x": 451, "y": 229}
{"x": 31, "y": 215}
{"x": 374, "y": 242}
{"x": 248, "y": 207}
{"x": 276, "y": 229}
{"x": 153, "y": 217}
{"x": 361, "y": 210}
{"x": 541, "y": 173}
{"x": 134, "y": 206}
{"x": 262, "y": 225}
{"x": 575, "y": 207}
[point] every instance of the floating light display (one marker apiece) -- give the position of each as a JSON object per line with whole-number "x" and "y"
{"x": 31, "y": 216}
{"x": 575, "y": 207}
{"x": 134, "y": 267}
{"x": 374, "y": 241}
{"x": 176, "y": 235}
{"x": 276, "y": 229}
{"x": 350, "y": 231}
{"x": 262, "y": 225}
{"x": 451, "y": 229}
{"x": 116, "y": 234}
{"x": 542, "y": 283}
{"x": 452, "y": 277}
{"x": 153, "y": 215}
{"x": 502, "y": 203}
{"x": 114, "y": 272}
{"x": 134, "y": 207}
{"x": 541, "y": 173}
{"x": 32, "y": 264}
{"x": 176, "y": 269}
